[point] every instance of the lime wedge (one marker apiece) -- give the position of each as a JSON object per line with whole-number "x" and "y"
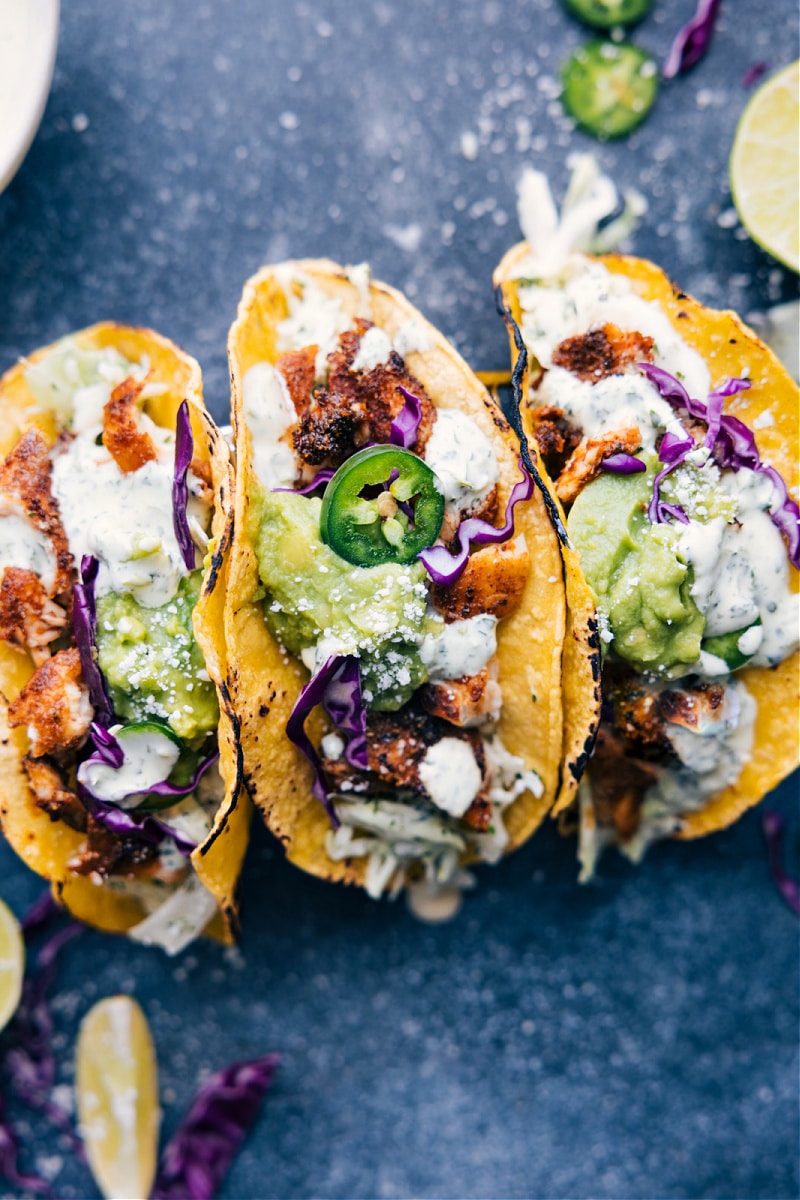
{"x": 765, "y": 167}
{"x": 12, "y": 964}
{"x": 117, "y": 1097}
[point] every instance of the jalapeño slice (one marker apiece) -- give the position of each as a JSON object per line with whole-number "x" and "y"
{"x": 607, "y": 14}
{"x": 383, "y": 505}
{"x": 609, "y": 88}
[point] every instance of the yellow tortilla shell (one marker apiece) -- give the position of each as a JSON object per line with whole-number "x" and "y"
{"x": 731, "y": 349}
{"x": 46, "y": 846}
{"x": 264, "y": 682}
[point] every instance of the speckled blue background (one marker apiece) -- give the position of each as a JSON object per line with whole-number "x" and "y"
{"x": 637, "y": 1038}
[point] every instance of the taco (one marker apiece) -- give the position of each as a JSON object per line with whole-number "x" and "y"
{"x": 396, "y": 579}
{"x": 669, "y": 435}
{"x": 114, "y": 483}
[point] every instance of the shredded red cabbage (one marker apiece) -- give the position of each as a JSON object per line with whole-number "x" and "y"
{"x": 754, "y": 73}
{"x": 311, "y": 695}
{"x": 443, "y": 567}
{"x": 9, "y": 1152}
{"x": 41, "y": 914}
{"x": 732, "y": 444}
{"x": 219, "y": 1118}
{"x": 405, "y": 425}
{"x": 127, "y": 823}
{"x": 29, "y": 1062}
{"x": 322, "y": 477}
{"x": 692, "y": 41}
{"x": 773, "y": 826}
{"x": 345, "y": 707}
{"x": 108, "y": 749}
{"x": 84, "y": 631}
{"x": 623, "y": 464}
{"x": 184, "y": 449}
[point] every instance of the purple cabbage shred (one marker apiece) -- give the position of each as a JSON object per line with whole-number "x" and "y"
{"x": 321, "y": 477}
{"x": 29, "y": 1061}
{"x": 201, "y": 1150}
{"x": 345, "y": 706}
{"x": 405, "y": 425}
{"x": 732, "y": 446}
{"x": 754, "y": 73}
{"x": 692, "y": 40}
{"x": 184, "y": 449}
{"x": 773, "y": 826}
{"x": 311, "y": 695}
{"x": 623, "y": 464}
{"x": 84, "y": 631}
{"x": 443, "y": 567}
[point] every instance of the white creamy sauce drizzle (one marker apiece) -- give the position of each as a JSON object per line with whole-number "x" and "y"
{"x": 23, "y": 545}
{"x": 587, "y": 296}
{"x": 270, "y": 414}
{"x": 460, "y": 648}
{"x": 462, "y": 458}
{"x": 128, "y": 523}
{"x": 373, "y": 350}
{"x": 315, "y": 319}
{"x": 148, "y": 758}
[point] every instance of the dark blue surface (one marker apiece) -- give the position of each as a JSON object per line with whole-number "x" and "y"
{"x": 635, "y": 1038}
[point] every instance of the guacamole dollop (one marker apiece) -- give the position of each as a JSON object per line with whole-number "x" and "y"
{"x": 641, "y": 585}
{"x": 152, "y": 663}
{"x": 313, "y": 596}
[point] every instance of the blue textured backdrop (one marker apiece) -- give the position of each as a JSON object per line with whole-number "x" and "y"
{"x": 636, "y": 1038}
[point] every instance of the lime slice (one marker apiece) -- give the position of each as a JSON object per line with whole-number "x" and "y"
{"x": 117, "y": 1097}
{"x": 764, "y": 167}
{"x": 12, "y": 964}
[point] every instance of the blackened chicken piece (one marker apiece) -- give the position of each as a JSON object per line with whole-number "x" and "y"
{"x": 28, "y": 618}
{"x": 377, "y": 391}
{"x": 693, "y": 708}
{"x": 52, "y": 795}
{"x": 586, "y": 461}
{"x": 128, "y": 445}
{"x": 493, "y": 582}
{"x": 105, "y": 853}
{"x": 330, "y": 431}
{"x": 467, "y": 701}
{"x": 602, "y": 352}
{"x": 555, "y": 437}
{"x": 298, "y": 368}
{"x": 396, "y": 745}
{"x": 54, "y": 706}
{"x": 618, "y": 783}
{"x": 25, "y": 478}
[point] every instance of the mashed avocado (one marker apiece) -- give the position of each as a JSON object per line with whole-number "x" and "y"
{"x": 152, "y": 663}
{"x": 313, "y": 595}
{"x": 641, "y": 586}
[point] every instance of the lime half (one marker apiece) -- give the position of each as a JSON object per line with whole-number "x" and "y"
{"x": 117, "y": 1097}
{"x": 12, "y": 964}
{"x": 765, "y": 167}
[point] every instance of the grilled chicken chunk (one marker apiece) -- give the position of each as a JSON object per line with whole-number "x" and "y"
{"x": 602, "y": 352}
{"x": 128, "y": 445}
{"x": 54, "y": 705}
{"x": 28, "y": 618}
{"x": 396, "y": 746}
{"x": 465, "y": 702}
{"x": 492, "y": 582}
{"x": 51, "y": 794}
{"x": 585, "y": 462}
{"x": 25, "y": 492}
